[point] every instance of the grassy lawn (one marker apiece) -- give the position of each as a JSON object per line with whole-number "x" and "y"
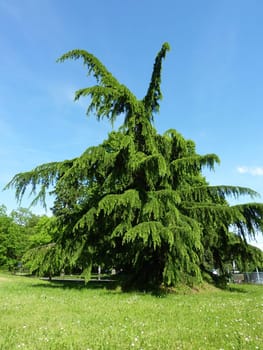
{"x": 42, "y": 315}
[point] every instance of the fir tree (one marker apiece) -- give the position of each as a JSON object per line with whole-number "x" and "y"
{"x": 138, "y": 202}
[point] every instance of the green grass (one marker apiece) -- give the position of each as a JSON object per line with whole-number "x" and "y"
{"x": 40, "y": 315}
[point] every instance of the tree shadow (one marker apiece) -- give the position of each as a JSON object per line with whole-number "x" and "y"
{"x": 115, "y": 284}
{"x": 237, "y": 289}
{"x": 78, "y": 284}
{"x": 106, "y": 284}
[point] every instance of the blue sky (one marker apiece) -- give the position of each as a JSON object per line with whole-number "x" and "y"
{"x": 212, "y": 78}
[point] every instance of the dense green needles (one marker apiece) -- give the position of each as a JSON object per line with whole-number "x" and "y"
{"x": 138, "y": 202}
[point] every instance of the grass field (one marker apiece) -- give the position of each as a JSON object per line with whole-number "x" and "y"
{"x": 48, "y": 315}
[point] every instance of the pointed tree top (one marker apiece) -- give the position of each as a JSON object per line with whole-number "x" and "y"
{"x": 154, "y": 95}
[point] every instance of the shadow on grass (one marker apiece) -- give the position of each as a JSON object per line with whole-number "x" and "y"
{"x": 221, "y": 282}
{"x": 237, "y": 289}
{"x": 112, "y": 284}
{"x": 94, "y": 284}
{"x": 78, "y": 284}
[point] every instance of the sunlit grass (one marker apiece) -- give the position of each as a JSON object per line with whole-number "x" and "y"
{"x": 42, "y": 315}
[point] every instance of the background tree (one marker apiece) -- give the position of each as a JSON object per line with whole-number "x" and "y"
{"x": 139, "y": 201}
{"x": 42, "y": 256}
{"x": 14, "y": 237}
{"x": 5, "y": 224}
{"x": 44, "y": 232}
{"x": 20, "y": 231}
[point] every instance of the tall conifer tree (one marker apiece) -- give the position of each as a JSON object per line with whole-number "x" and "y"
{"x": 138, "y": 201}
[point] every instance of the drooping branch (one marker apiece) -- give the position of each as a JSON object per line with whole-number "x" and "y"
{"x": 252, "y": 219}
{"x": 199, "y": 193}
{"x": 109, "y": 98}
{"x": 40, "y": 179}
{"x": 195, "y": 163}
{"x": 95, "y": 67}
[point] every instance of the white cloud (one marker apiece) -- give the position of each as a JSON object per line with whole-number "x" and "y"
{"x": 255, "y": 171}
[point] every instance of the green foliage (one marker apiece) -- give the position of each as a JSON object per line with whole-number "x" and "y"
{"x": 15, "y": 230}
{"x": 44, "y": 231}
{"x": 44, "y": 260}
{"x": 43, "y": 256}
{"x": 21, "y": 231}
{"x": 10, "y": 246}
{"x": 138, "y": 202}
